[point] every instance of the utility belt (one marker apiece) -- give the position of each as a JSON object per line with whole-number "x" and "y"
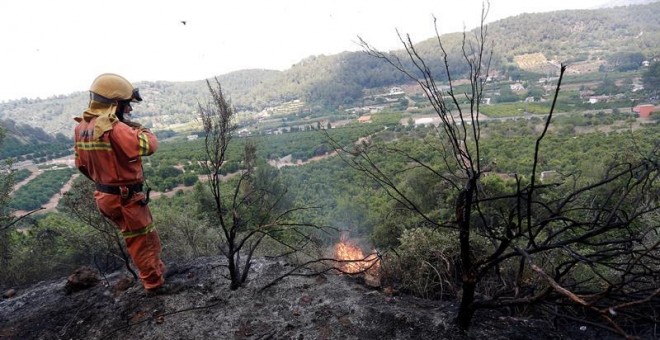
{"x": 125, "y": 191}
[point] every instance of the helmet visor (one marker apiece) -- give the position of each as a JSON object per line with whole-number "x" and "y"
{"x": 136, "y": 95}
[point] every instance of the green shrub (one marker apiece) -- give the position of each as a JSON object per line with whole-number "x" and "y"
{"x": 426, "y": 263}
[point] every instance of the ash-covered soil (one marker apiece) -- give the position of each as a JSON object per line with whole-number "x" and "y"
{"x": 298, "y": 307}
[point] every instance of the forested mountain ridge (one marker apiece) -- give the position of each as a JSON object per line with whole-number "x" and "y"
{"x": 601, "y": 40}
{"x": 596, "y": 34}
{"x": 31, "y": 142}
{"x": 166, "y": 102}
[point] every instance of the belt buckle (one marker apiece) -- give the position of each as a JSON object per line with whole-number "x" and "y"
{"x": 123, "y": 191}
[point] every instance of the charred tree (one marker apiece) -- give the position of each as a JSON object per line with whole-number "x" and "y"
{"x": 251, "y": 207}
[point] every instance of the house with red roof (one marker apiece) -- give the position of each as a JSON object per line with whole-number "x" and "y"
{"x": 644, "y": 110}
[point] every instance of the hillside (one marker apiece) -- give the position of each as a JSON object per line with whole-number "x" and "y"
{"x": 167, "y": 103}
{"x": 299, "y": 307}
{"x": 588, "y": 34}
{"x": 24, "y": 141}
{"x": 592, "y": 40}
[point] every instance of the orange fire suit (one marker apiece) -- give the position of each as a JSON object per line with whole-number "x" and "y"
{"x": 108, "y": 152}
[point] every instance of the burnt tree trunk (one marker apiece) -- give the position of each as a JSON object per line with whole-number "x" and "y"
{"x": 469, "y": 278}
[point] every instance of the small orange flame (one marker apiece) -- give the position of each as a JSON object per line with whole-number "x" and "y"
{"x": 358, "y": 262}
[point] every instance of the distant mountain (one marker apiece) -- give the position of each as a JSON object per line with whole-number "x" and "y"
{"x": 590, "y": 40}
{"x": 582, "y": 34}
{"x": 166, "y": 103}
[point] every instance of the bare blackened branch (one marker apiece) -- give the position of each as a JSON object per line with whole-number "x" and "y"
{"x": 538, "y": 145}
{"x": 19, "y": 218}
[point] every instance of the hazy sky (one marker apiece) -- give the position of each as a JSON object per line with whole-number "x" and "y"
{"x": 52, "y": 47}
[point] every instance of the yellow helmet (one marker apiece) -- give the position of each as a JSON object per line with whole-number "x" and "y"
{"x": 113, "y": 88}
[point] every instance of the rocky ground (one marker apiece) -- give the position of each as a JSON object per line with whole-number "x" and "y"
{"x": 298, "y": 307}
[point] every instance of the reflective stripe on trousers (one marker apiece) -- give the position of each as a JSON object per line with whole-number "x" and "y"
{"x": 139, "y": 232}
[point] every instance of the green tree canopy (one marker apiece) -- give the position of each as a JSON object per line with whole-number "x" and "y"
{"x": 651, "y": 77}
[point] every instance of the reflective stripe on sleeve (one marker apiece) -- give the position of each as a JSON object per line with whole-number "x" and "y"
{"x": 89, "y": 146}
{"x": 144, "y": 144}
{"x": 139, "y": 232}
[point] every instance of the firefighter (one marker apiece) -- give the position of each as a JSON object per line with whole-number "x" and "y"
{"x": 108, "y": 149}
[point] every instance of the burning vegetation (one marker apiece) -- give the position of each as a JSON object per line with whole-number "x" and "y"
{"x": 353, "y": 261}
